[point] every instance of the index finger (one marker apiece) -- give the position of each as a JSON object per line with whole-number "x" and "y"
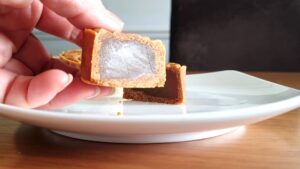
{"x": 85, "y": 13}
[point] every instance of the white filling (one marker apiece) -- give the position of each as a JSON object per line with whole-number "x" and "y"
{"x": 125, "y": 59}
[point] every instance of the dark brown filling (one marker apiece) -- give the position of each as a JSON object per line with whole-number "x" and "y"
{"x": 170, "y": 90}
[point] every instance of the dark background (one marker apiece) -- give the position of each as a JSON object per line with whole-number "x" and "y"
{"x": 247, "y": 35}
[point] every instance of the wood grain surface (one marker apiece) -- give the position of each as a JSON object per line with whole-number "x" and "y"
{"x": 273, "y": 143}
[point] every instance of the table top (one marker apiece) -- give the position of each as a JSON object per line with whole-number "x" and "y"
{"x": 273, "y": 143}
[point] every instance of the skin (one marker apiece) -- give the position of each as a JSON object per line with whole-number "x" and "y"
{"x": 29, "y": 77}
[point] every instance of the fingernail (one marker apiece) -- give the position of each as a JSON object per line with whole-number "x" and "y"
{"x": 115, "y": 18}
{"x": 95, "y": 94}
{"x": 68, "y": 79}
{"x": 76, "y": 35}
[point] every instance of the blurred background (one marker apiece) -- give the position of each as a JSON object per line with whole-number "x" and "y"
{"x": 245, "y": 35}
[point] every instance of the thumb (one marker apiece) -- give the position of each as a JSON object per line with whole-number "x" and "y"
{"x": 32, "y": 92}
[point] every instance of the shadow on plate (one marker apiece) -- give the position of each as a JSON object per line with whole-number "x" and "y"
{"x": 36, "y": 141}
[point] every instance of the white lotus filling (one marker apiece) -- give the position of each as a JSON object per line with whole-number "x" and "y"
{"x": 125, "y": 59}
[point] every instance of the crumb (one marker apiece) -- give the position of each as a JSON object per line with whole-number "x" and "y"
{"x": 119, "y": 113}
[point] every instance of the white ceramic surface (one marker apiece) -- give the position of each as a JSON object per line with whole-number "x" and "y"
{"x": 217, "y": 103}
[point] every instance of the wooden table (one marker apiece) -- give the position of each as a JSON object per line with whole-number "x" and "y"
{"x": 274, "y": 143}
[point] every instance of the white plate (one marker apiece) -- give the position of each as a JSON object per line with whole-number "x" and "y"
{"x": 216, "y": 104}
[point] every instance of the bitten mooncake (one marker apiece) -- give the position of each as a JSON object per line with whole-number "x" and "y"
{"x": 122, "y": 60}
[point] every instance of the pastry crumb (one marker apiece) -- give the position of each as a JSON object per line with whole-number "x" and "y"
{"x": 119, "y": 113}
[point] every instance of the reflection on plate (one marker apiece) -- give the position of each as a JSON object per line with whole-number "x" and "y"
{"x": 217, "y": 103}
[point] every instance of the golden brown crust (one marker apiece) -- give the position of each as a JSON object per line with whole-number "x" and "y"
{"x": 179, "y": 92}
{"x": 90, "y": 60}
{"x": 181, "y": 73}
{"x": 71, "y": 58}
{"x": 88, "y": 51}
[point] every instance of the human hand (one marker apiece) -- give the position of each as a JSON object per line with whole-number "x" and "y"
{"x": 29, "y": 77}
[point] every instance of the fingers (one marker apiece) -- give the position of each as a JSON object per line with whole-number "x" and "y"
{"x": 57, "y": 25}
{"x": 57, "y": 64}
{"x": 31, "y": 92}
{"x": 48, "y": 90}
{"x": 13, "y": 19}
{"x": 33, "y": 54}
{"x": 15, "y": 66}
{"x": 71, "y": 8}
{"x": 69, "y": 95}
{"x": 44, "y": 87}
{"x": 6, "y": 49}
{"x": 85, "y": 14}
{"x": 96, "y": 19}
{"x": 75, "y": 92}
{"x": 7, "y": 78}
{"x": 16, "y": 3}
{"x": 17, "y": 24}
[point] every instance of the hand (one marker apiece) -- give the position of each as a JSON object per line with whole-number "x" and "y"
{"x": 29, "y": 77}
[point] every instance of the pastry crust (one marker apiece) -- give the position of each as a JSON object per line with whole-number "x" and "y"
{"x": 71, "y": 58}
{"x": 91, "y": 59}
{"x": 172, "y": 93}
